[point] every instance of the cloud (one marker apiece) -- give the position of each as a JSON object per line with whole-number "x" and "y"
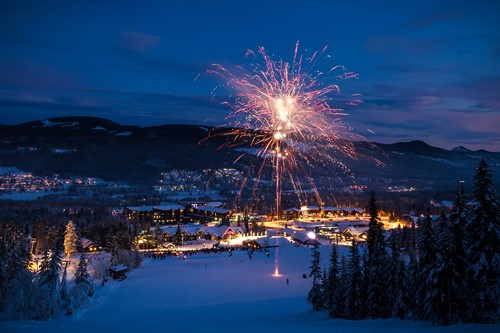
{"x": 136, "y": 41}
{"x": 27, "y": 74}
{"x": 180, "y": 69}
{"x": 140, "y": 108}
{"x": 433, "y": 18}
{"x": 402, "y": 103}
{"x": 478, "y": 94}
{"x": 416, "y": 69}
{"x": 390, "y": 44}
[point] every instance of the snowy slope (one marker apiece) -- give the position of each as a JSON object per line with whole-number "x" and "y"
{"x": 217, "y": 293}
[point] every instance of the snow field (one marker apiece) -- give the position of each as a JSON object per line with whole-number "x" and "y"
{"x": 218, "y": 293}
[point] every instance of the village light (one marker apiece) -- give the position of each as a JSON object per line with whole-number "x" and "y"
{"x": 311, "y": 235}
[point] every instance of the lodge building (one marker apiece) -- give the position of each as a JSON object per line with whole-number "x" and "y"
{"x": 322, "y": 212}
{"x": 175, "y": 213}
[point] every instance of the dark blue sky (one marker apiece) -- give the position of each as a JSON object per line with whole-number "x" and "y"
{"x": 429, "y": 70}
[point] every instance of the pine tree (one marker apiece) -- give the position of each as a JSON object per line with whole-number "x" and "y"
{"x": 393, "y": 267}
{"x": 354, "y": 300}
{"x": 376, "y": 265}
{"x": 83, "y": 284}
{"x": 412, "y": 274}
{"x": 443, "y": 274}
{"x": 65, "y": 300}
{"x": 49, "y": 285}
{"x": 458, "y": 220}
{"x": 402, "y": 300}
{"x": 333, "y": 286}
{"x": 123, "y": 237}
{"x": 70, "y": 239}
{"x": 315, "y": 297}
{"x": 427, "y": 255}
{"x": 16, "y": 285}
{"x": 115, "y": 254}
{"x": 324, "y": 289}
{"x": 344, "y": 284}
{"x": 483, "y": 250}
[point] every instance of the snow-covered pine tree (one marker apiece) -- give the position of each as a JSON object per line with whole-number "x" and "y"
{"x": 333, "y": 305}
{"x": 49, "y": 286}
{"x": 324, "y": 289}
{"x": 458, "y": 220}
{"x": 483, "y": 250}
{"x": 354, "y": 300}
{"x": 115, "y": 253}
{"x": 16, "y": 285}
{"x": 412, "y": 279}
{"x": 401, "y": 306}
{"x": 65, "y": 300}
{"x": 70, "y": 239}
{"x": 376, "y": 263}
{"x": 315, "y": 297}
{"x": 426, "y": 240}
{"x": 82, "y": 276}
{"x": 392, "y": 274}
{"x": 344, "y": 284}
{"x": 83, "y": 288}
{"x": 443, "y": 274}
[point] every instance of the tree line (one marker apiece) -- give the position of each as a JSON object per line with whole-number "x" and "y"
{"x": 38, "y": 289}
{"x": 449, "y": 273}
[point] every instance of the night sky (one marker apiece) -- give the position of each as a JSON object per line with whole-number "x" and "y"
{"x": 428, "y": 70}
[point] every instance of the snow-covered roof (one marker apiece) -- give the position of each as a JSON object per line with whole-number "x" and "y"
{"x": 167, "y": 245}
{"x": 301, "y": 236}
{"x": 119, "y": 267}
{"x": 327, "y": 208}
{"x": 262, "y": 242}
{"x": 214, "y": 204}
{"x": 356, "y": 231}
{"x": 213, "y": 210}
{"x": 86, "y": 242}
{"x": 169, "y": 207}
{"x": 310, "y": 208}
{"x": 234, "y": 229}
{"x": 346, "y": 209}
{"x": 140, "y": 208}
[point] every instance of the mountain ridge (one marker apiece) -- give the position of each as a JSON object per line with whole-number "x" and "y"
{"x": 99, "y": 147}
{"x": 99, "y": 121}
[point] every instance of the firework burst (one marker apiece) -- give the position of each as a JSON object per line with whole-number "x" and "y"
{"x": 284, "y": 110}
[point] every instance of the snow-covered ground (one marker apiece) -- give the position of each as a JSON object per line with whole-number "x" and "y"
{"x": 217, "y": 293}
{"x": 26, "y": 196}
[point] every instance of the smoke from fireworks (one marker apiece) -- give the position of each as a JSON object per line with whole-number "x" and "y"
{"x": 286, "y": 111}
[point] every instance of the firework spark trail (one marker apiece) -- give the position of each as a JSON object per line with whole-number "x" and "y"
{"x": 284, "y": 110}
